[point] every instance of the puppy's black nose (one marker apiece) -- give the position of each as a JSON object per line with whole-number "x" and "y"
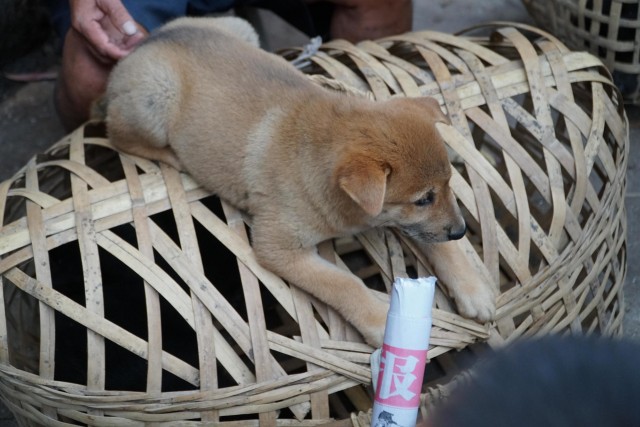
{"x": 456, "y": 234}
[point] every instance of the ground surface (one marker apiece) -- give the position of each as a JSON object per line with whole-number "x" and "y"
{"x": 28, "y": 123}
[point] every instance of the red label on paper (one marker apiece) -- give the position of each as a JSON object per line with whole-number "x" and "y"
{"x": 400, "y": 377}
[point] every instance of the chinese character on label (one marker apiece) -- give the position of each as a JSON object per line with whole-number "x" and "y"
{"x": 400, "y": 377}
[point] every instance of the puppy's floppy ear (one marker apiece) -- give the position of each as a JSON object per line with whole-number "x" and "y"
{"x": 364, "y": 180}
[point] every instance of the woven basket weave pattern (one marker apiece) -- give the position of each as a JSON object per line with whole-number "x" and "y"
{"x": 539, "y": 149}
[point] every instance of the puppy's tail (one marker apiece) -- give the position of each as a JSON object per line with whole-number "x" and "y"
{"x": 238, "y": 27}
{"x": 99, "y": 108}
{"x": 229, "y": 25}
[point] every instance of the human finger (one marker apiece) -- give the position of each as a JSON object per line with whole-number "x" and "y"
{"x": 119, "y": 16}
{"x": 101, "y": 43}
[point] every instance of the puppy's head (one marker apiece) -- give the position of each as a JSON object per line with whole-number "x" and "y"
{"x": 395, "y": 167}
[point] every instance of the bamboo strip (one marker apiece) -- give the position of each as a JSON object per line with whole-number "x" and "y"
{"x": 152, "y": 297}
{"x": 202, "y": 318}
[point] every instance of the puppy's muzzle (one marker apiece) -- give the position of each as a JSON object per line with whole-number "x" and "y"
{"x": 457, "y": 232}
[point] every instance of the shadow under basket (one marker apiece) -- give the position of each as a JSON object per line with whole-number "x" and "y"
{"x": 129, "y": 295}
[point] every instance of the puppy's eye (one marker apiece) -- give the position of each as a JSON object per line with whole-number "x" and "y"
{"x": 428, "y": 199}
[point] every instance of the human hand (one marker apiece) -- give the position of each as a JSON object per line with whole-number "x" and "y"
{"x": 107, "y": 27}
{"x": 357, "y": 20}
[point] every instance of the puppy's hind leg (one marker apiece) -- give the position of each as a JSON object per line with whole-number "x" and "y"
{"x": 138, "y": 148}
{"x": 133, "y": 142}
{"x": 141, "y": 103}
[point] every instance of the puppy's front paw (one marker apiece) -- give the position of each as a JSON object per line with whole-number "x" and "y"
{"x": 477, "y": 302}
{"x": 372, "y": 329}
{"x": 373, "y": 335}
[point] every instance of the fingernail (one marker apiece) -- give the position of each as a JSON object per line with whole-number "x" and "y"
{"x": 129, "y": 28}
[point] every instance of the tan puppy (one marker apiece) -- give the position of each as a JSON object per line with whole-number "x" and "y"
{"x": 306, "y": 163}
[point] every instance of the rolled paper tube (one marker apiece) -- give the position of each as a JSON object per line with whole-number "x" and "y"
{"x": 398, "y": 367}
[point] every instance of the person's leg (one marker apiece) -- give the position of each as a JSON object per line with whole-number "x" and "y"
{"x": 356, "y": 20}
{"x": 353, "y": 20}
{"x": 81, "y": 80}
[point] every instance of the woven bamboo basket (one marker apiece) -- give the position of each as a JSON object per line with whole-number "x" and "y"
{"x": 609, "y": 29}
{"x": 131, "y": 296}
